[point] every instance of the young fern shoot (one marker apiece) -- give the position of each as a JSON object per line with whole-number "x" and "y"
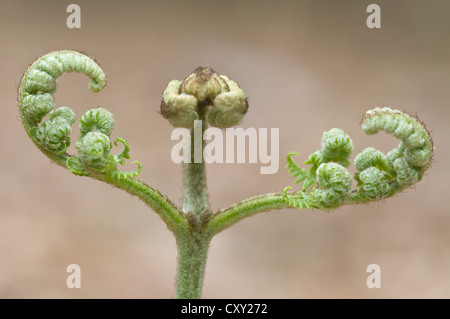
{"x": 218, "y": 101}
{"x": 379, "y": 176}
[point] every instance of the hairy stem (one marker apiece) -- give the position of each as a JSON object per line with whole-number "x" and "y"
{"x": 192, "y": 254}
{"x": 169, "y": 213}
{"x": 193, "y": 247}
{"x": 195, "y": 194}
{"x": 233, "y": 214}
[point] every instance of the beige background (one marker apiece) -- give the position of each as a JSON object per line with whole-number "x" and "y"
{"x": 306, "y": 66}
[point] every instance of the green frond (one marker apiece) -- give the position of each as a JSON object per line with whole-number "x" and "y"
{"x": 378, "y": 176}
{"x": 299, "y": 199}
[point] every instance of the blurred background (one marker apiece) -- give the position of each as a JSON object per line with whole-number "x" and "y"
{"x": 306, "y": 66}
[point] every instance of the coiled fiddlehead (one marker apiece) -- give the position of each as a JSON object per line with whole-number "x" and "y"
{"x": 52, "y": 136}
{"x": 379, "y": 176}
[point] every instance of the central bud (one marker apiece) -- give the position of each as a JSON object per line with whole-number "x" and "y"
{"x": 204, "y": 84}
{"x": 222, "y": 99}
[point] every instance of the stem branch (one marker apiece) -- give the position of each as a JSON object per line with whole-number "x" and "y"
{"x": 169, "y": 213}
{"x": 251, "y": 206}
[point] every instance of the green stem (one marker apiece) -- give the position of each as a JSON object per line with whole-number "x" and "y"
{"x": 233, "y": 214}
{"x": 192, "y": 254}
{"x": 195, "y": 194}
{"x": 193, "y": 246}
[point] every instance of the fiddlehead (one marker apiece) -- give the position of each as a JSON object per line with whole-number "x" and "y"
{"x": 378, "y": 176}
{"x": 331, "y": 181}
{"x": 52, "y": 136}
{"x": 203, "y": 91}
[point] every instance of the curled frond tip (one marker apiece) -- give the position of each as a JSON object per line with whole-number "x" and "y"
{"x": 379, "y": 176}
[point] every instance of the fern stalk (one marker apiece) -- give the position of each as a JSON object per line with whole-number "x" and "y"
{"x": 218, "y": 101}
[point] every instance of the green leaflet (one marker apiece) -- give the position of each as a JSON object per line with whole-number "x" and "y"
{"x": 297, "y": 172}
{"x": 299, "y": 199}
